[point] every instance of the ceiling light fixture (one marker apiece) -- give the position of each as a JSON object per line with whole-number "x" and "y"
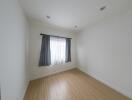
{"x": 102, "y": 8}
{"x": 75, "y": 26}
{"x": 48, "y": 17}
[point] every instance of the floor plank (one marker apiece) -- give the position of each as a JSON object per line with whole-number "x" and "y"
{"x": 70, "y": 85}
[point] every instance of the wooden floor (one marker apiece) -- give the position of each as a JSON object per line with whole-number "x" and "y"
{"x": 70, "y": 85}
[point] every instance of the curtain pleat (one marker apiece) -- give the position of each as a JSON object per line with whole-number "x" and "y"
{"x": 45, "y": 55}
{"x": 58, "y": 49}
{"x": 68, "y": 50}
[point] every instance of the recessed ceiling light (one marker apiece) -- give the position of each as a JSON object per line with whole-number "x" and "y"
{"x": 75, "y": 26}
{"x": 102, "y": 8}
{"x": 48, "y": 17}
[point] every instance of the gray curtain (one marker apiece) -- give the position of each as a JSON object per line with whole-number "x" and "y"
{"x": 45, "y": 58}
{"x": 68, "y": 50}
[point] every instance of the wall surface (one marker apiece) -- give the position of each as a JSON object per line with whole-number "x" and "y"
{"x": 105, "y": 52}
{"x": 13, "y": 51}
{"x": 35, "y": 39}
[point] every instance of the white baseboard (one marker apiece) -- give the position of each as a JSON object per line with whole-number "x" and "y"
{"x": 24, "y": 91}
{"x": 53, "y": 72}
{"x": 105, "y": 83}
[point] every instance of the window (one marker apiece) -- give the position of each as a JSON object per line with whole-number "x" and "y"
{"x": 58, "y": 50}
{"x": 55, "y": 50}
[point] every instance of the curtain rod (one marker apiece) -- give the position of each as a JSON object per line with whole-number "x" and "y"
{"x": 55, "y": 36}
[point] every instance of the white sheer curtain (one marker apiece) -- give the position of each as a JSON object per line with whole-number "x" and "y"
{"x": 58, "y": 50}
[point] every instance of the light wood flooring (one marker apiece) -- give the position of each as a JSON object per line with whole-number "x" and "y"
{"x": 70, "y": 85}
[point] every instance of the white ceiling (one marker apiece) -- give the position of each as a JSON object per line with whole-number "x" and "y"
{"x": 68, "y": 13}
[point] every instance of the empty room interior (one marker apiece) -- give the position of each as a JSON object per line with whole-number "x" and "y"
{"x": 65, "y": 49}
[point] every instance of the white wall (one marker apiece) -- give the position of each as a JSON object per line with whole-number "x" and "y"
{"x": 13, "y": 50}
{"x": 105, "y": 52}
{"x": 35, "y": 39}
